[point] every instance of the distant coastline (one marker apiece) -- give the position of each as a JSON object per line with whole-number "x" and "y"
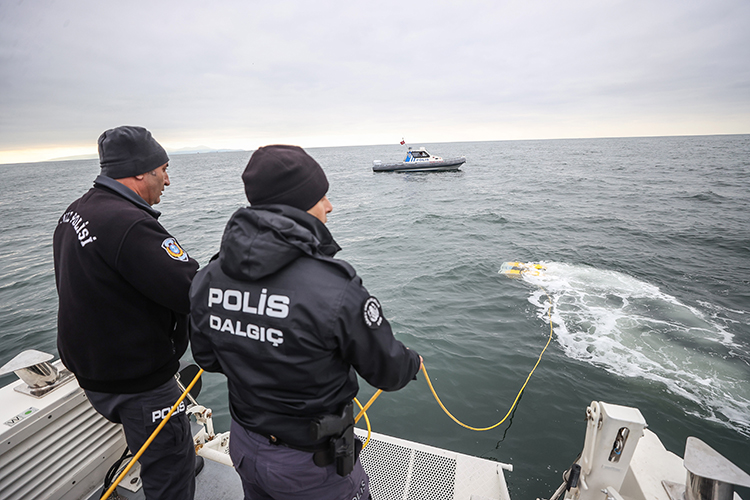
{"x": 182, "y": 151}
{"x": 205, "y": 149}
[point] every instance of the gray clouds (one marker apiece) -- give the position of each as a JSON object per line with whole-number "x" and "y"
{"x": 335, "y": 72}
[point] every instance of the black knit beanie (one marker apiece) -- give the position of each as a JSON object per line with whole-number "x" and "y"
{"x": 127, "y": 151}
{"x": 285, "y": 175}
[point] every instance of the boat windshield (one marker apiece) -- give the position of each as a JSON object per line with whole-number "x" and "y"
{"x": 413, "y": 155}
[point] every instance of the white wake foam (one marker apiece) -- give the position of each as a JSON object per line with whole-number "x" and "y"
{"x": 632, "y": 329}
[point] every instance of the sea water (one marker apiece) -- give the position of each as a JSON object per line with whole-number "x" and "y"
{"x": 646, "y": 249}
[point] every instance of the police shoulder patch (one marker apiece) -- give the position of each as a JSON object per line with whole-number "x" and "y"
{"x": 372, "y": 312}
{"x": 174, "y": 249}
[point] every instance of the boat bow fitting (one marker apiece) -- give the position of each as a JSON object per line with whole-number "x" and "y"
{"x": 34, "y": 368}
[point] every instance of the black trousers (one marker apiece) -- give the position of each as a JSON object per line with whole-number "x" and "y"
{"x": 168, "y": 465}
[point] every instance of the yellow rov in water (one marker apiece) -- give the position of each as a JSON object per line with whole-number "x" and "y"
{"x": 517, "y": 269}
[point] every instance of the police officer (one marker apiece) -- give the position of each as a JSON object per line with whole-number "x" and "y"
{"x": 290, "y": 326}
{"x": 123, "y": 285}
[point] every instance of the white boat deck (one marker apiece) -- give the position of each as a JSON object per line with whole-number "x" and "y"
{"x": 401, "y": 469}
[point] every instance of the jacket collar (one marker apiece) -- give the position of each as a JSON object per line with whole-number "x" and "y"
{"x": 327, "y": 246}
{"x": 126, "y": 193}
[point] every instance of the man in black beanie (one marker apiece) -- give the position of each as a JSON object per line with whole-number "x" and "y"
{"x": 291, "y": 326}
{"x": 123, "y": 283}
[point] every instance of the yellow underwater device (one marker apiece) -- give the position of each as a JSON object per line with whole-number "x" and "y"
{"x": 517, "y": 269}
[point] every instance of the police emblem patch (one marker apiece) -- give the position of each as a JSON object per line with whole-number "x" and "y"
{"x": 174, "y": 250}
{"x": 373, "y": 313}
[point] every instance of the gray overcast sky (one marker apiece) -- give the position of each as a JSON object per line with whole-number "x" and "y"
{"x": 242, "y": 74}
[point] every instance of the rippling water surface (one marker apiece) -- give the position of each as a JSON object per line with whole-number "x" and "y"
{"x": 646, "y": 244}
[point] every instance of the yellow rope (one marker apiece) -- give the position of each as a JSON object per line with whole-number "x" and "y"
{"x": 429, "y": 382}
{"x": 437, "y": 398}
{"x": 362, "y": 409}
{"x": 367, "y": 421}
{"x": 152, "y": 437}
{"x": 370, "y": 402}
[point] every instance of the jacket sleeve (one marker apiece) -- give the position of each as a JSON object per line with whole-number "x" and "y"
{"x": 155, "y": 264}
{"x": 200, "y": 342}
{"x": 203, "y": 352}
{"x": 367, "y": 341}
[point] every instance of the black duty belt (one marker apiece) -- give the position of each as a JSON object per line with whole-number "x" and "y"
{"x": 280, "y": 442}
{"x": 338, "y": 441}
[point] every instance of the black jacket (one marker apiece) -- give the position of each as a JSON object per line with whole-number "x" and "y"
{"x": 289, "y": 325}
{"x": 123, "y": 285}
